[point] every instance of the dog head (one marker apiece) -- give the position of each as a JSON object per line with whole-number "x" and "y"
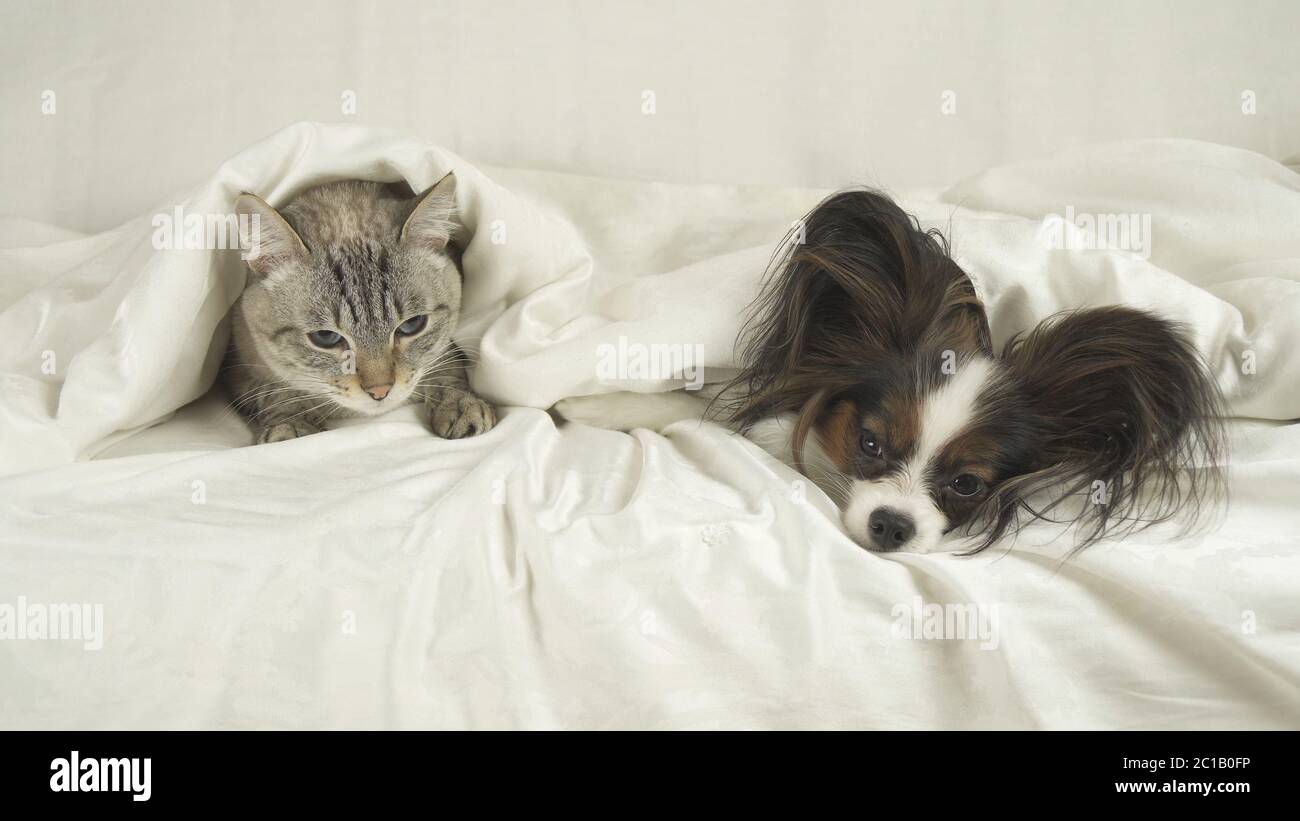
{"x": 873, "y": 337}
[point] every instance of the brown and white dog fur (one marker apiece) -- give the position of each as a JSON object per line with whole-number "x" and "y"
{"x": 868, "y": 365}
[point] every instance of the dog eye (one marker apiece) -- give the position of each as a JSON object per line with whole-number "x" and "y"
{"x": 868, "y": 443}
{"x": 967, "y": 485}
{"x": 413, "y": 326}
{"x": 325, "y": 339}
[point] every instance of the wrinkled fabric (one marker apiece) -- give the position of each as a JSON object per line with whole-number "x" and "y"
{"x": 548, "y": 575}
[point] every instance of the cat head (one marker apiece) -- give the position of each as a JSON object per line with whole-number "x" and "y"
{"x": 353, "y": 295}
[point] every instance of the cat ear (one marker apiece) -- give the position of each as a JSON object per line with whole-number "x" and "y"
{"x": 430, "y": 224}
{"x": 267, "y": 239}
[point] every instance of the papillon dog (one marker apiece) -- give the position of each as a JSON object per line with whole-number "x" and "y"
{"x": 868, "y": 365}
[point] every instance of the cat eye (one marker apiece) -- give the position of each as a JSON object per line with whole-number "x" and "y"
{"x": 325, "y": 339}
{"x": 413, "y": 326}
{"x": 967, "y": 485}
{"x": 869, "y": 444}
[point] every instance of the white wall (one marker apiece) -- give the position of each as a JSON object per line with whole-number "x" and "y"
{"x": 150, "y": 96}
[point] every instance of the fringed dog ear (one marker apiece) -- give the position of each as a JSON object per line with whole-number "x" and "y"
{"x": 1129, "y": 422}
{"x": 856, "y": 278}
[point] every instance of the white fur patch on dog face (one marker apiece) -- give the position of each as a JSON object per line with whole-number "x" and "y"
{"x": 908, "y": 490}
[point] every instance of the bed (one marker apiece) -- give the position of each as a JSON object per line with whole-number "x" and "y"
{"x": 553, "y": 575}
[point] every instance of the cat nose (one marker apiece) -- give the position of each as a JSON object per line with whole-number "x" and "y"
{"x": 377, "y": 392}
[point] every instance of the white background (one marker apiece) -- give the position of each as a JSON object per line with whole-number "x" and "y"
{"x": 152, "y": 96}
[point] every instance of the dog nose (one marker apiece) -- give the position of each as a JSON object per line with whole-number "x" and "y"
{"x": 378, "y": 392}
{"x": 890, "y": 529}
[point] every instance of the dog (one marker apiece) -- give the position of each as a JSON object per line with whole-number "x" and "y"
{"x": 868, "y": 365}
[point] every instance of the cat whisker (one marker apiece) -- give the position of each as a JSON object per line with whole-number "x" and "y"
{"x": 283, "y": 402}
{"x": 453, "y": 389}
{"x": 240, "y": 405}
{"x": 255, "y": 394}
{"x": 454, "y": 356}
{"x": 431, "y": 378}
{"x": 306, "y": 411}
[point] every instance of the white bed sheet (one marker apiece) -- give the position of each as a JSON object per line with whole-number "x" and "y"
{"x": 561, "y": 576}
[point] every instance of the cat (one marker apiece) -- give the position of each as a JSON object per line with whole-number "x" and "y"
{"x": 351, "y": 302}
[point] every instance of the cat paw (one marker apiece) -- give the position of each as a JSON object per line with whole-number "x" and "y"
{"x": 284, "y": 430}
{"x": 460, "y": 414}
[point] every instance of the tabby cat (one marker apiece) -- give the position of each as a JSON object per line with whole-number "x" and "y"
{"x": 351, "y": 302}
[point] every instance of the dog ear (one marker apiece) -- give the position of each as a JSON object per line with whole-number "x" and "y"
{"x": 1127, "y": 417}
{"x": 855, "y": 279}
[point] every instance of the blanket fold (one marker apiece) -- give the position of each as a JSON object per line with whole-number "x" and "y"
{"x": 545, "y": 575}
{"x": 107, "y": 334}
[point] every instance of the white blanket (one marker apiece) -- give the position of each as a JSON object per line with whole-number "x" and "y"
{"x": 544, "y": 576}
